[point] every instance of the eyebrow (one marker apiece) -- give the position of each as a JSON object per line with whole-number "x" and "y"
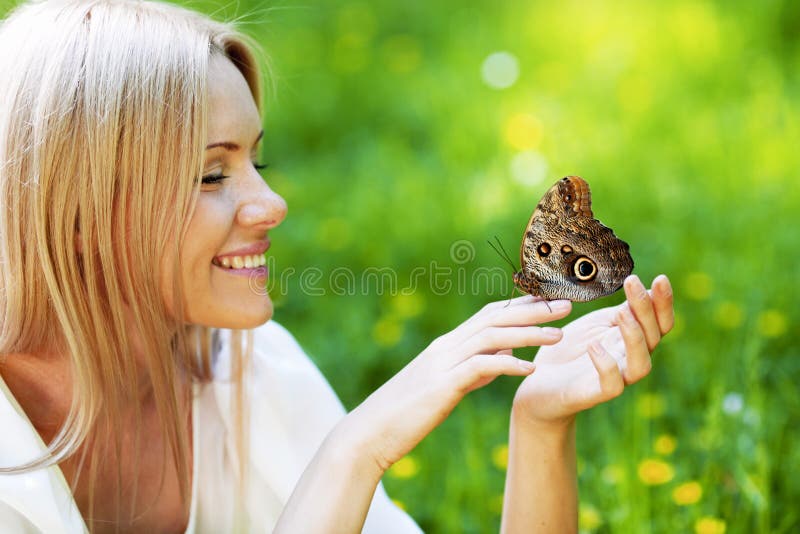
{"x": 228, "y": 145}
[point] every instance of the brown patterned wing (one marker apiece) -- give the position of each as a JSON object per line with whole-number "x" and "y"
{"x": 576, "y": 199}
{"x": 566, "y": 252}
{"x": 569, "y": 197}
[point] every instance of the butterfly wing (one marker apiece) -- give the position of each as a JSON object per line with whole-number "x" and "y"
{"x": 566, "y": 252}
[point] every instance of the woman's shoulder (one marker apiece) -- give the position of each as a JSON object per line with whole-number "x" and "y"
{"x": 274, "y": 339}
{"x": 34, "y": 501}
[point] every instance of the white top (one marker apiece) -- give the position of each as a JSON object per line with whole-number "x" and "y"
{"x": 293, "y": 409}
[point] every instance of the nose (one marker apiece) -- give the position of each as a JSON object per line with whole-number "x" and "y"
{"x": 260, "y": 207}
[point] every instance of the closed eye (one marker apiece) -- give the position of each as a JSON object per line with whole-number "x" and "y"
{"x": 218, "y": 178}
{"x": 211, "y": 179}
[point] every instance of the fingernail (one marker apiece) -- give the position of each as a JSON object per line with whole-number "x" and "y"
{"x": 560, "y": 305}
{"x": 634, "y": 282}
{"x": 664, "y": 287}
{"x": 525, "y": 365}
{"x": 550, "y": 331}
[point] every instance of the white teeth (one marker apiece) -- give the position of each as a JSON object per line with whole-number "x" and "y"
{"x": 243, "y": 262}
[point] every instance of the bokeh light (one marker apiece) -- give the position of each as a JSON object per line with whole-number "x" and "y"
{"x": 500, "y": 70}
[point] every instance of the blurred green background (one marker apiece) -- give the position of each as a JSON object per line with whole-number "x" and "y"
{"x": 405, "y": 134}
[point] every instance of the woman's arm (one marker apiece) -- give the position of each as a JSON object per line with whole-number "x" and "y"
{"x": 541, "y": 492}
{"x": 599, "y": 354}
{"x": 335, "y": 490}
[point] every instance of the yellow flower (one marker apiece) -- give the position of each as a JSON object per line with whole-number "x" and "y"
{"x": 651, "y": 405}
{"x": 665, "y": 444}
{"x": 405, "y": 467}
{"x": 523, "y": 131}
{"x": 589, "y": 517}
{"x": 729, "y": 315}
{"x": 387, "y": 332}
{"x": 613, "y": 474}
{"x": 698, "y": 286}
{"x": 410, "y": 305}
{"x": 687, "y": 493}
{"x": 772, "y": 323}
{"x": 500, "y": 456}
{"x": 654, "y": 472}
{"x": 709, "y": 525}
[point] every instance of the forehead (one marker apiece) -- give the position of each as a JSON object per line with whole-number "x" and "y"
{"x": 232, "y": 113}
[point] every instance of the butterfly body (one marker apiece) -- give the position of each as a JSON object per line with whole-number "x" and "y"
{"x": 568, "y": 254}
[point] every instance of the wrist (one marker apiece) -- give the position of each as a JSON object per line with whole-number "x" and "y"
{"x": 553, "y": 431}
{"x": 348, "y": 447}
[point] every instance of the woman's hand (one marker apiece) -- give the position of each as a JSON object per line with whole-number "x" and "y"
{"x": 599, "y": 355}
{"x": 337, "y": 487}
{"x": 391, "y": 421}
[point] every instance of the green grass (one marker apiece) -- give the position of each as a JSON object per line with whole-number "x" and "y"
{"x": 683, "y": 117}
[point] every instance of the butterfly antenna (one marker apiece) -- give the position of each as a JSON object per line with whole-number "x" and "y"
{"x": 502, "y": 254}
{"x": 507, "y": 255}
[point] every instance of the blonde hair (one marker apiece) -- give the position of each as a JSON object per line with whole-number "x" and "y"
{"x": 102, "y": 134}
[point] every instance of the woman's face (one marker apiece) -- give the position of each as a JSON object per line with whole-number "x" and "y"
{"x": 222, "y": 261}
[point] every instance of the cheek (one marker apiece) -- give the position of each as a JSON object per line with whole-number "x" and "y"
{"x": 205, "y": 236}
{"x": 207, "y": 232}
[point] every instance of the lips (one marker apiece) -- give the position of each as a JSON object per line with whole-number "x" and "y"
{"x": 244, "y": 259}
{"x": 256, "y": 249}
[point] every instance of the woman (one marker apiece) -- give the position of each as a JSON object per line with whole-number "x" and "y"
{"x": 133, "y": 224}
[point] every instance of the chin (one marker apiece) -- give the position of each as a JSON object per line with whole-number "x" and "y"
{"x": 251, "y": 316}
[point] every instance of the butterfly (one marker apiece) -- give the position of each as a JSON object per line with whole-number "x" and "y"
{"x": 568, "y": 254}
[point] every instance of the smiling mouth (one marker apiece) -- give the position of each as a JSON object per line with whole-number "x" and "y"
{"x": 252, "y": 261}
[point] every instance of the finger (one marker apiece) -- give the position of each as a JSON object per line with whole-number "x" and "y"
{"x": 637, "y": 361}
{"x": 523, "y": 311}
{"x": 477, "y": 320}
{"x": 494, "y": 339}
{"x": 642, "y": 306}
{"x": 481, "y": 369}
{"x": 501, "y": 304}
{"x": 522, "y": 314}
{"x": 611, "y": 381}
{"x": 526, "y": 314}
{"x": 662, "y": 302}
